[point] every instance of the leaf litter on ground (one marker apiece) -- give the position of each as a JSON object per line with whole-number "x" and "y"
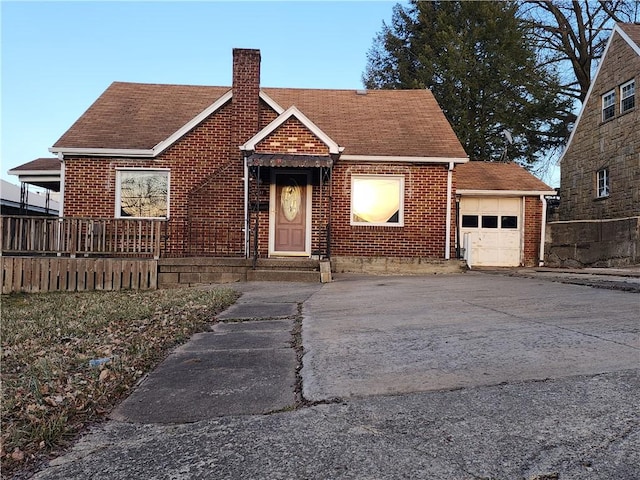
{"x": 69, "y": 358}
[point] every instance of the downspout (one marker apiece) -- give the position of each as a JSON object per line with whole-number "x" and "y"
{"x": 61, "y": 207}
{"x": 543, "y": 230}
{"x": 246, "y": 206}
{"x": 457, "y": 227}
{"x": 447, "y": 240}
{"x": 62, "y": 169}
{"x": 523, "y": 238}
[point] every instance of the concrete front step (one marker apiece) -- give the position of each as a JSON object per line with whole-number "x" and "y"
{"x": 273, "y": 275}
{"x": 173, "y": 272}
{"x": 287, "y": 264}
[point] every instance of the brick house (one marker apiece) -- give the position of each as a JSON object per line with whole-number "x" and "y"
{"x": 268, "y": 171}
{"x": 366, "y": 178}
{"x": 599, "y": 209}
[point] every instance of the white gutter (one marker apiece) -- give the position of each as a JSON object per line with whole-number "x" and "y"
{"x": 543, "y": 229}
{"x": 402, "y": 159}
{"x": 104, "y": 152}
{"x": 447, "y": 239}
{"x": 504, "y": 193}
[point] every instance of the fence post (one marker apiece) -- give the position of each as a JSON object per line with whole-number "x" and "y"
{"x": 156, "y": 239}
{"x": 74, "y": 238}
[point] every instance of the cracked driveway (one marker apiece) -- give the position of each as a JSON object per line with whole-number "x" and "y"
{"x": 469, "y": 376}
{"x": 390, "y": 335}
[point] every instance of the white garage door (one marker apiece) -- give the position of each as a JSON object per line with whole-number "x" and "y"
{"x": 493, "y": 225}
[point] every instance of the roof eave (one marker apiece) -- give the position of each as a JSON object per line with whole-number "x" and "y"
{"x": 504, "y": 193}
{"x": 33, "y": 172}
{"x": 403, "y": 159}
{"x": 103, "y": 152}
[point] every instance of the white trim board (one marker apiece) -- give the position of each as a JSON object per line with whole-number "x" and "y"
{"x": 402, "y": 159}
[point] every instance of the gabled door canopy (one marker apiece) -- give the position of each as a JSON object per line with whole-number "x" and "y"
{"x": 250, "y": 145}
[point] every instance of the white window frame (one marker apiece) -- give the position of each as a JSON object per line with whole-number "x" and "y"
{"x": 400, "y": 180}
{"x": 119, "y": 172}
{"x": 603, "y": 187}
{"x": 608, "y": 101}
{"x": 631, "y": 91}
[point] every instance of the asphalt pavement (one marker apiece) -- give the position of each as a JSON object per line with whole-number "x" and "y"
{"x": 465, "y": 376}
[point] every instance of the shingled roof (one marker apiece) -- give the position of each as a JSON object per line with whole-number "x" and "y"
{"x": 632, "y": 30}
{"x": 138, "y": 115}
{"x": 378, "y": 122}
{"x": 39, "y": 165}
{"x": 486, "y": 176}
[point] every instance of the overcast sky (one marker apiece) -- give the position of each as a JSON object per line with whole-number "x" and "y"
{"x": 58, "y": 57}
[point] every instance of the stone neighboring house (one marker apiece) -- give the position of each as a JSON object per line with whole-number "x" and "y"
{"x": 367, "y": 178}
{"x": 599, "y": 211}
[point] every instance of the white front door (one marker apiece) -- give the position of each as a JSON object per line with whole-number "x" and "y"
{"x": 494, "y": 229}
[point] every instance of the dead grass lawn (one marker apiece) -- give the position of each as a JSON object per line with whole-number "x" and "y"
{"x": 50, "y": 392}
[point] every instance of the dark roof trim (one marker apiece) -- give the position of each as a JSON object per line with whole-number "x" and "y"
{"x": 276, "y": 160}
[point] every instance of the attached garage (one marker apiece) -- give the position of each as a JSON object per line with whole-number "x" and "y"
{"x": 491, "y": 228}
{"x": 501, "y": 214}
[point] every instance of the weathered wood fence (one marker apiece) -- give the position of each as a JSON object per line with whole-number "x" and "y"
{"x": 86, "y": 237}
{"x": 44, "y": 254}
{"x": 48, "y": 274}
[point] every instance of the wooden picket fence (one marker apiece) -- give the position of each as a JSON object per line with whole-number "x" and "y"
{"x": 48, "y": 274}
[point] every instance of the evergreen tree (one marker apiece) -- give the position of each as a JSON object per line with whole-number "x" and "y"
{"x": 478, "y": 60}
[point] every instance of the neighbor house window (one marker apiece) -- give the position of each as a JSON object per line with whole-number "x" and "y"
{"x": 377, "y": 200}
{"x": 603, "y": 183}
{"x": 627, "y": 96}
{"x": 608, "y": 105}
{"x": 142, "y": 193}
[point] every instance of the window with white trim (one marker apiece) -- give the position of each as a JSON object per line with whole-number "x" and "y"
{"x": 602, "y": 179}
{"x": 142, "y": 193}
{"x": 627, "y": 96}
{"x": 608, "y": 105}
{"x": 377, "y": 200}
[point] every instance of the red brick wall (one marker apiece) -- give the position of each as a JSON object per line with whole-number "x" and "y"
{"x": 532, "y": 226}
{"x": 292, "y": 137}
{"x": 197, "y": 162}
{"x": 423, "y": 234}
{"x": 267, "y": 115}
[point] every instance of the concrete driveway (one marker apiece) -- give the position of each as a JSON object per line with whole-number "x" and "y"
{"x": 463, "y": 377}
{"x": 389, "y": 335}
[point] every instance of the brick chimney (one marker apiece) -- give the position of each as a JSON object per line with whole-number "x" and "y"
{"x": 246, "y": 94}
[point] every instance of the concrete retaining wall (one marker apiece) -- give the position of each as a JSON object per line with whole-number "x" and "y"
{"x": 395, "y": 265}
{"x": 599, "y": 243}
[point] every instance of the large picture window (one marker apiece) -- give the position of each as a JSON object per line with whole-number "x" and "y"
{"x": 142, "y": 193}
{"x": 377, "y": 200}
